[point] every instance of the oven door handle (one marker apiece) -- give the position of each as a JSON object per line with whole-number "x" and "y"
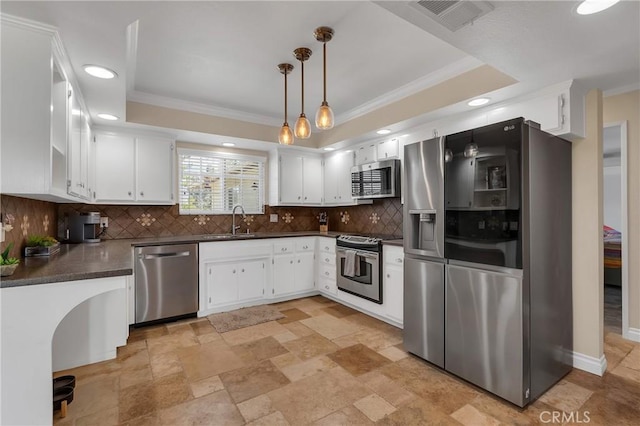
{"x": 359, "y": 253}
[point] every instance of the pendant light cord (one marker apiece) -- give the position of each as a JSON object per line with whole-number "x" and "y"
{"x": 302, "y": 85}
{"x": 285, "y": 97}
{"x": 324, "y": 72}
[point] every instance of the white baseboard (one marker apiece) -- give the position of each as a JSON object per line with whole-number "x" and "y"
{"x": 590, "y": 364}
{"x": 86, "y": 360}
{"x": 633, "y": 334}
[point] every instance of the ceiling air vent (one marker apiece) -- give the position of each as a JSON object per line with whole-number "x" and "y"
{"x": 453, "y": 14}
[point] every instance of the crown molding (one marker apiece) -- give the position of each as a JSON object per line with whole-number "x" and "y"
{"x": 452, "y": 70}
{"x": 621, "y": 90}
{"x": 29, "y": 25}
{"x": 166, "y": 102}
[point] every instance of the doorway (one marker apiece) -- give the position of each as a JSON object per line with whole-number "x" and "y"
{"x": 615, "y": 233}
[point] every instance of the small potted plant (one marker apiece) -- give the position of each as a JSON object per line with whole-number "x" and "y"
{"x": 38, "y": 245}
{"x": 8, "y": 264}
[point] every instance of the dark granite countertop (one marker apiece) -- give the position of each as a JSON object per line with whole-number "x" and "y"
{"x": 112, "y": 258}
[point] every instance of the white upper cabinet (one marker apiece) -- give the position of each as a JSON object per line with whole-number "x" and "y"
{"x": 79, "y": 145}
{"x": 35, "y": 112}
{"x": 366, "y": 154}
{"x": 136, "y": 170}
{"x": 295, "y": 179}
{"x": 337, "y": 178}
{"x": 388, "y": 149}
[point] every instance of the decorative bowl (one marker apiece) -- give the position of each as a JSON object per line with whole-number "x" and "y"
{"x": 6, "y": 270}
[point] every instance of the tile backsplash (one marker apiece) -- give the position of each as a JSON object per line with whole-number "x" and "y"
{"x": 26, "y": 217}
{"x": 381, "y": 217}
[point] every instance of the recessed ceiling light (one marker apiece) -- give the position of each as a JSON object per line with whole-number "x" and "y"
{"x": 107, "y": 116}
{"x": 383, "y": 131}
{"x": 228, "y": 144}
{"x": 587, "y": 7}
{"x": 100, "y": 72}
{"x": 329, "y": 149}
{"x": 478, "y": 101}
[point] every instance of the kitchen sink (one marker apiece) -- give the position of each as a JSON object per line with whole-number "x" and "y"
{"x": 226, "y": 236}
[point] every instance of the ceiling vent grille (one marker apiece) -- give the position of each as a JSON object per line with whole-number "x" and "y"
{"x": 453, "y": 15}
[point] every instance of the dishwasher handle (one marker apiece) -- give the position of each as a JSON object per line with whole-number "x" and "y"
{"x": 164, "y": 255}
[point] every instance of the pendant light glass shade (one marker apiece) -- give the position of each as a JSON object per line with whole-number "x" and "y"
{"x": 302, "y": 129}
{"x": 324, "y": 115}
{"x": 285, "y": 137}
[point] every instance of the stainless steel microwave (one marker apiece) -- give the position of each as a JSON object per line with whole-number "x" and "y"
{"x": 376, "y": 180}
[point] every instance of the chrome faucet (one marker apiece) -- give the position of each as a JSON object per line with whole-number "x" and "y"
{"x": 234, "y": 228}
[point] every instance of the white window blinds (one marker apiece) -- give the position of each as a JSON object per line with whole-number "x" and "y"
{"x": 212, "y": 182}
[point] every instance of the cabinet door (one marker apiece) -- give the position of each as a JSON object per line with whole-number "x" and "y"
{"x": 331, "y": 178}
{"x": 251, "y": 280}
{"x": 304, "y": 271}
{"x": 290, "y": 179}
{"x": 85, "y": 154}
{"x": 283, "y": 274}
{"x": 154, "y": 170}
{"x": 344, "y": 177}
{"x": 388, "y": 149}
{"x": 114, "y": 170}
{"x": 74, "y": 152}
{"x": 222, "y": 283}
{"x": 394, "y": 291}
{"x": 365, "y": 154}
{"x": 312, "y": 180}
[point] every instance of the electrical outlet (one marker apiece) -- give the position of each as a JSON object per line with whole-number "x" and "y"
{"x": 104, "y": 222}
{"x": 273, "y": 217}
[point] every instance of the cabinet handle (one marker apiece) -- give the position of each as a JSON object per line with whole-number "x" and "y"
{"x": 334, "y": 197}
{"x": 234, "y": 271}
{"x": 242, "y": 270}
{"x": 326, "y": 248}
{"x": 326, "y": 259}
{"x": 340, "y": 197}
{"x": 298, "y": 260}
{"x": 129, "y": 193}
{"x": 305, "y": 247}
{"x": 399, "y": 260}
{"x": 388, "y": 276}
{"x": 326, "y": 273}
{"x": 305, "y": 198}
{"x": 298, "y": 197}
{"x": 291, "y": 262}
{"x": 283, "y": 249}
{"x": 141, "y": 194}
{"x": 327, "y": 287}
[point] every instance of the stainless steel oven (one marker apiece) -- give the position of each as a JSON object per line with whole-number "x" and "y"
{"x": 358, "y": 266}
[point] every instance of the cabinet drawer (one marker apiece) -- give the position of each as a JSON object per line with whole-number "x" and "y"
{"x": 283, "y": 247}
{"x": 325, "y": 258}
{"x": 327, "y": 286}
{"x": 304, "y": 245}
{"x": 393, "y": 255}
{"x": 327, "y": 245}
{"x": 327, "y": 271}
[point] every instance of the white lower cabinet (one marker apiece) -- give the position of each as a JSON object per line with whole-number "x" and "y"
{"x": 293, "y": 266}
{"x": 326, "y": 266}
{"x": 234, "y": 282}
{"x": 393, "y": 282}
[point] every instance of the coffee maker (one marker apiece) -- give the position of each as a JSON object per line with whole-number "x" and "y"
{"x": 84, "y": 227}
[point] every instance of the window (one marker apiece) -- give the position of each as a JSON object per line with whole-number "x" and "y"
{"x": 214, "y": 182}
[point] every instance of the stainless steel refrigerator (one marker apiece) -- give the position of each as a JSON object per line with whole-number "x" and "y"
{"x": 487, "y": 240}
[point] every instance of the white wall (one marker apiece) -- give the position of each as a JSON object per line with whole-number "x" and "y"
{"x": 612, "y": 197}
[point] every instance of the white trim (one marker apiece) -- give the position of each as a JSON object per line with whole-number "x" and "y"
{"x": 166, "y": 102}
{"x": 621, "y": 90}
{"x": 633, "y": 334}
{"x": 452, "y": 70}
{"x": 28, "y": 24}
{"x": 132, "y": 55}
{"x": 590, "y": 364}
{"x": 218, "y": 154}
{"x": 624, "y": 209}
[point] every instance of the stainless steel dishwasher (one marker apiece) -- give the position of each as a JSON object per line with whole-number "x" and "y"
{"x": 166, "y": 281}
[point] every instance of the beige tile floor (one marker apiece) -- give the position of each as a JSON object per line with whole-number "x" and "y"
{"x": 323, "y": 364}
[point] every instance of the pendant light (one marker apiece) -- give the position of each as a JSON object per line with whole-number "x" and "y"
{"x": 286, "y": 135}
{"x": 324, "y": 116}
{"x": 302, "y": 129}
